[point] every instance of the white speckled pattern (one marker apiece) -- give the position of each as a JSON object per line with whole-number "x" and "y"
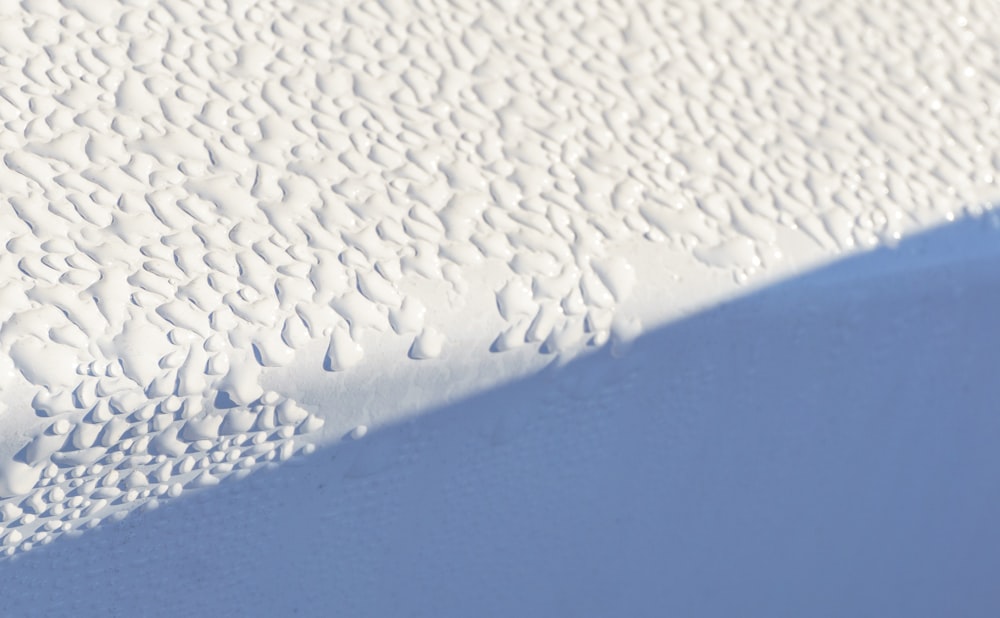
{"x": 194, "y": 191}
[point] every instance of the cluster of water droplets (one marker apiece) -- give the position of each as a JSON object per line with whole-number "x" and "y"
{"x": 192, "y": 191}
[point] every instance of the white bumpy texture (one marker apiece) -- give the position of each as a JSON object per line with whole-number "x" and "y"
{"x": 194, "y": 190}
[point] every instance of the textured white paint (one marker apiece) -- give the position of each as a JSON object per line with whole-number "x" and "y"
{"x": 201, "y": 200}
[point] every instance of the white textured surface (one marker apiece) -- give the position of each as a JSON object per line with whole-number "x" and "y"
{"x": 204, "y": 201}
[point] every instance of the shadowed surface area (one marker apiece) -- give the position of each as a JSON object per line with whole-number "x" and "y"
{"x": 824, "y": 447}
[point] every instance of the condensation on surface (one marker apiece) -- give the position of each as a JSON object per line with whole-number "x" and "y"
{"x": 193, "y": 191}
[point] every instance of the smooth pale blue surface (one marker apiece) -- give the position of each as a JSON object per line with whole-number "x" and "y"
{"x": 829, "y": 446}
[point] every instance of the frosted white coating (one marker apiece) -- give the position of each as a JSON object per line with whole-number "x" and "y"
{"x": 192, "y": 192}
